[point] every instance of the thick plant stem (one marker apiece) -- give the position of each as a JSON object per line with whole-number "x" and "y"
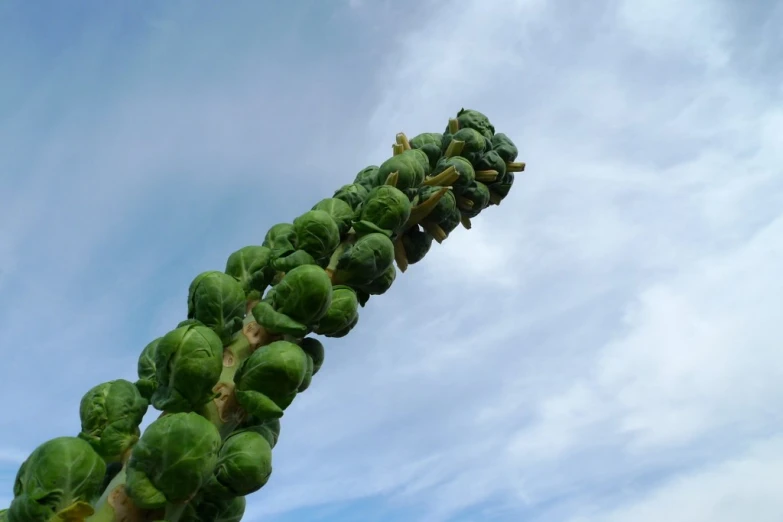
{"x": 454, "y": 148}
{"x": 453, "y": 125}
{"x": 402, "y": 139}
{"x": 444, "y": 179}
{"x": 515, "y": 167}
{"x": 486, "y": 176}
{"x": 423, "y": 209}
{"x": 435, "y": 231}
{"x": 397, "y": 149}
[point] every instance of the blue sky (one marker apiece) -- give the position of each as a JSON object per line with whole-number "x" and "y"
{"x": 601, "y": 348}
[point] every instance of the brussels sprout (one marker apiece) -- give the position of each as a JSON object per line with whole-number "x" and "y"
{"x": 308, "y": 378}
{"x": 58, "y": 481}
{"x": 431, "y": 144}
{"x": 409, "y": 166}
{"x": 474, "y": 199}
{"x": 110, "y": 417}
{"x": 341, "y": 313}
{"x": 345, "y": 331}
{"x": 368, "y": 177}
{"x": 505, "y": 148}
{"x": 296, "y": 303}
{"x": 244, "y": 463}
{"x": 218, "y": 301}
{"x": 417, "y": 243}
{"x": 269, "y": 429}
{"x": 148, "y": 381}
{"x": 251, "y": 266}
{"x": 381, "y": 284}
{"x": 491, "y": 161}
{"x": 360, "y": 263}
{"x": 386, "y": 211}
{"x": 174, "y": 457}
{"x": 470, "y": 119}
{"x": 341, "y": 213}
{"x": 268, "y": 380}
{"x": 280, "y": 239}
{"x": 188, "y": 363}
{"x": 362, "y": 296}
{"x": 293, "y": 260}
{"x": 353, "y": 194}
{"x": 214, "y": 509}
{"x": 474, "y": 143}
{"x": 498, "y": 191}
{"x": 463, "y": 167}
{"x": 315, "y": 349}
{"x": 317, "y": 234}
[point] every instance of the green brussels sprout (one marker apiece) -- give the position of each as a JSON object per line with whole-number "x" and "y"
{"x": 280, "y": 239}
{"x": 214, "y": 509}
{"x": 386, "y": 211}
{"x": 251, "y": 266}
{"x": 367, "y": 258}
{"x": 410, "y": 169}
{"x": 362, "y": 296}
{"x": 317, "y": 234}
{"x": 268, "y": 380}
{"x": 188, "y": 363}
{"x": 3, "y": 515}
{"x": 58, "y": 481}
{"x": 345, "y": 331}
{"x": 296, "y": 303}
{"x": 244, "y": 463}
{"x": 490, "y": 161}
{"x": 174, "y": 457}
{"x": 189, "y": 322}
{"x": 445, "y": 206}
{"x": 148, "y": 381}
{"x": 431, "y": 144}
{"x": 417, "y": 243}
{"x": 498, "y": 191}
{"x": 315, "y": 349}
{"x": 450, "y": 221}
{"x": 308, "y": 378}
{"x": 423, "y": 160}
{"x": 269, "y": 429}
{"x": 110, "y": 414}
{"x": 381, "y": 284}
{"x": 467, "y": 175}
{"x": 368, "y": 177}
{"x": 505, "y": 148}
{"x": 218, "y": 301}
{"x": 341, "y": 213}
{"x": 478, "y": 196}
{"x": 344, "y": 307}
{"x": 475, "y": 143}
{"x": 293, "y": 260}
{"x": 353, "y": 194}
{"x": 470, "y": 119}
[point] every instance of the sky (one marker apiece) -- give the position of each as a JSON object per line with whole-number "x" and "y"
{"x": 602, "y": 347}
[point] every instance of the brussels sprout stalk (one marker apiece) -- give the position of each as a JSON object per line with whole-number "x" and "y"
{"x": 224, "y": 376}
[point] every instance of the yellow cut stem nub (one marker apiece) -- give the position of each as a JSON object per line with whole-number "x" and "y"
{"x": 453, "y": 125}
{"x": 465, "y": 220}
{"x": 454, "y": 148}
{"x": 444, "y": 179}
{"x": 397, "y": 149}
{"x": 400, "y": 256}
{"x": 486, "y": 176}
{"x": 423, "y": 209}
{"x": 495, "y": 198}
{"x": 402, "y": 139}
{"x": 392, "y": 179}
{"x": 465, "y": 203}
{"x": 518, "y": 166}
{"x": 433, "y": 229}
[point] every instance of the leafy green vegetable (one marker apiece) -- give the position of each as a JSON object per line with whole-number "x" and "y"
{"x": 431, "y": 143}
{"x": 174, "y": 457}
{"x": 470, "y": 119}
{"x": 148, "y": 380}
{"x": 251, "y": 266}
{"x": 342, "y": 311}
{"x": 341, "y": 213}
{"x": 368, "y": 177}
{"x": 409, "y": 167}
{"x": 315, "y": 350}
{"x": 58, "y": 481}
{"x": 111, "y": 414}
{"x": 353, "y": 194}
{"x": 467, "y": 175}
{"x": 360, "y": 263}
{"x": 386, "y": 211}
{"x": 217, "y": 300}
{"x": 505, "y": 148}
{"x": 280, "y": 239}
{"x": 268, "y": 380}
{"x": 244, "y": 463}
{"x": 188, "y": 363}
{"x": 417, "y": 243}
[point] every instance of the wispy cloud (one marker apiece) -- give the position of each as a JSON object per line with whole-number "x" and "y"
{"x": 600, "y": 347}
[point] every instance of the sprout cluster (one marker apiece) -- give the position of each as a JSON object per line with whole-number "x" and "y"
{"x": 223, "y": 377}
